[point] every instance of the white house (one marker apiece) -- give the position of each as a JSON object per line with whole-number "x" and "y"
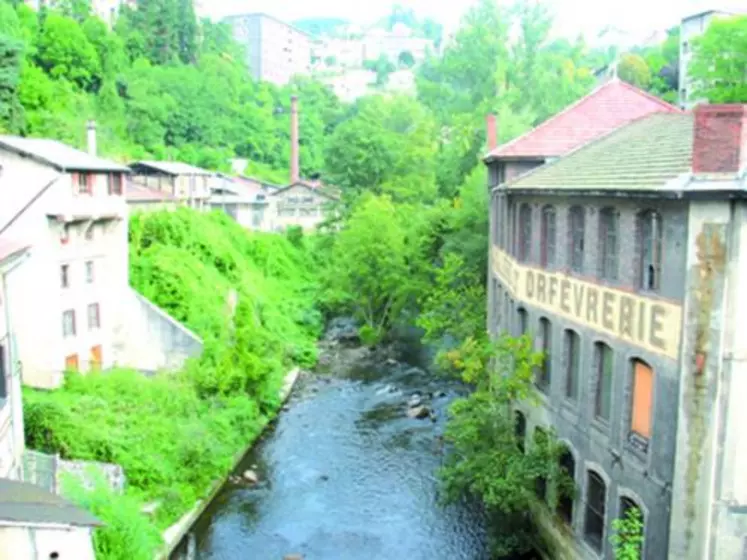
{"x": 245, "y": 200}
{"x": 73, "y": 307}
{"x": 303, "y": 204}
{"x": 189, "y": 184}
{"x": 12, "y": 255}
{"x": 38, "y": 525}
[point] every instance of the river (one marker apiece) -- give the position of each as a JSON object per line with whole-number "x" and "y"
{"x": 346, "y": 474}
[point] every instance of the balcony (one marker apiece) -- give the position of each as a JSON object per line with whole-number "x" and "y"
{"x": 86, "y": 207}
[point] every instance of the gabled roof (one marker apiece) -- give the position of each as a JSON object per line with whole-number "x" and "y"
{"x": 10, "y": 248}
{"x": 58, "y": 155}
{"x": 610, "y": 106}
{"x": 325, "y": 191}
{"x": 21, "y": 502}
{"x": 172, "y": 167}
{"x": 644, "y": 155}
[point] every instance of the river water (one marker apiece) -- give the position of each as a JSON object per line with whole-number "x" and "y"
{"x": 345, "y": 474}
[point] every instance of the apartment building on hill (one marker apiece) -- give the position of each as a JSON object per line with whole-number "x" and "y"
{"x": 276, "y": 51}
{"x": 624, "y": 260}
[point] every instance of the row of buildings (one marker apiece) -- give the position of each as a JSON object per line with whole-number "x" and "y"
{"x": 617, "y": 231}
{"x": 66, "y": 302}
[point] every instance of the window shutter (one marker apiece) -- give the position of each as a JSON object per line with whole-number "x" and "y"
{"x": 642, "y": 399}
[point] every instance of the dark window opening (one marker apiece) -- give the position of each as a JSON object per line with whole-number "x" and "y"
{"x": 626, "y": 505}
{"x": 540, "y": 483}
{"x": 525, "y": 232}
{"x": 650, "y": 235}
{"x": 609, "y": 237}
{"x": 547, "y": 241}
{"x": 520, "y": 429}
{"x": 604, "y": 366}
{"x": 572, "y": 359}
{"x": 545, "y": 332}
{"x": 576, "y": 239}
{"x": 523, "y": 321}
{"x": 596, "y": 496}
{"x": 565, "y": 499}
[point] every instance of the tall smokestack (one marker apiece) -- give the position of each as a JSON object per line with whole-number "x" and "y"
{"x": 492, "y": 130}
{"x": 91, "y": 137}
{"x": 295, "y": 173}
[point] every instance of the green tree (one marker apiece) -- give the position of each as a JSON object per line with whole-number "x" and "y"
{"x": 634, "y": 70}
{"x": 367, "y": 266}
{"x": 11, "y": 111}
{"x": 65, "y": 52}
{"x": 406, "y": 59}
{"x": 719, "y": 63}
{"x": 627, "y": 540}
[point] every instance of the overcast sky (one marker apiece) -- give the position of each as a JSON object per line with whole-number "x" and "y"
{"x": 572, "y": 16}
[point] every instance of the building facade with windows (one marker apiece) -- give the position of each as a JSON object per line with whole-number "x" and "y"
{"x": 622, "y": 260}
{"x": 186, "y": 184}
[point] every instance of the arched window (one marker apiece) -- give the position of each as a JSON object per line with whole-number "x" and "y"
{"x": 523, "y": 321}
{"x": 547, "y": 237}
{"x": 626, "y": 506}
{"x": 650, "y": 234}
{"x": 603, "y": 366}
{"x": 520, "y": 429}
{"x": 565, "y": 497}
{"x": 545, "y": 344}
{"x": 525, "y": 232}
{"x": 610, "y": 243}
{"x": 540, "y": 483}
{"x": 576, "y": 239}
{"x": 596, "y": 500}
{"x": 572, "y": 361}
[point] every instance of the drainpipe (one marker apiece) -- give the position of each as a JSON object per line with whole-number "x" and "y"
{"x": 12, "y": 357}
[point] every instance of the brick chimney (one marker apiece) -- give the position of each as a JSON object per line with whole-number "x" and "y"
{"x": 720, "y": 138}
{"x": 91, "y": 137}
{"x": 295, "y": 172}
{"x": 491, "y": 124}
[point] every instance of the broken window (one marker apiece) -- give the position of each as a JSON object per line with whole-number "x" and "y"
{"x": 547, "y": 241}
{"x": 576, "y": 239}
{"x": 609, "y": 237}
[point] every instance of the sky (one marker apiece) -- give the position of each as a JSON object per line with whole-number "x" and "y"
{"x": 571, "y": 16}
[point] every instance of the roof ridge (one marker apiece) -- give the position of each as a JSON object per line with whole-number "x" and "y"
{"x": 590, "y": 144}
{"x": 607, "y": 84}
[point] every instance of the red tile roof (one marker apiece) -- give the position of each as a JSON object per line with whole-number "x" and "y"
{"x": 610, "y": 106}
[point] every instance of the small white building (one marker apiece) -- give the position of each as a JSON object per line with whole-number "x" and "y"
{"x": 302, "y": 204}
{"x": 38, "y": 525}
{"x": 244, "y": 200}
{"x": 12, "y": 255}
{"x": 72, "y": 304}
{"x": 190, "y": 185}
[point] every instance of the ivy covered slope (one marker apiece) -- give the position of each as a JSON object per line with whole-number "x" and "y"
{"x": 175, "y": 433}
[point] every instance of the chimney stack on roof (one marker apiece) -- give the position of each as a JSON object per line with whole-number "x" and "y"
{"x": 295, "y": 172}
{"x": 720, "y": 138}
{"x": 492, "y": 129}
{"x": 91, "y": 138}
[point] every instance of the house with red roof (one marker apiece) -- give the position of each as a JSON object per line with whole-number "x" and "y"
{"x": 607, "y": 108}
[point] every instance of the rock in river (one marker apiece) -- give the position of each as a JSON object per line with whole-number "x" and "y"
{"x": 415, "y": 400}
{"x": 250, "y": 476}
{"x": 419, "y": 412}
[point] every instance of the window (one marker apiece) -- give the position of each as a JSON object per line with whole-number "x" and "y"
{"x": 114, "y": 183}
{"x": 545, "y": 334}
{"x": 642, "y": 409}
{"x": 576, "y": 239}
{"x": 540, "y": 483}
{"x": 596, "y": 496}
{"x": 89, "y": 233}
{"x": 565, "y": 497}
{"x": 83, "y": 183}
{"x": 608, "y": 235}
{"x": 95, "y": 358}
{"x": 511, "y": 248}
{"x": 94, "y": 317}
{"x": 523, "y": 321}
{"x": 572, "y": 361}
{"x": 89, "y": 272}
{"x": 649, "y": 250}
{"x": 525, "y": 232}
{"x": 71, "y": 362}
{"x": 626, "y": 505}
{"x": 520, "y": 429}
{"x": 547, "y": 242}
{"x": 604, "y": 365}
{"x": 68, "y": 323}
{"x": 64, "y": 235}
{"x": 65, "y": 276}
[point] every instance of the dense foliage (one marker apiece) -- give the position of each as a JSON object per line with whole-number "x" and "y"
{"x": 719, "y": 66}
{"x": 627, "y": 540}
{"x": 176, "y": 433}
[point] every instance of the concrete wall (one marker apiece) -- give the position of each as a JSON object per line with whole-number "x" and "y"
{"x": 645, "y": 476}
{"x": 148, "y": 339}
{"x": 39, "y": 543}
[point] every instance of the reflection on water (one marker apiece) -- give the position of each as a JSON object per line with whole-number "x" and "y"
{"x": 346, "y": 475}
